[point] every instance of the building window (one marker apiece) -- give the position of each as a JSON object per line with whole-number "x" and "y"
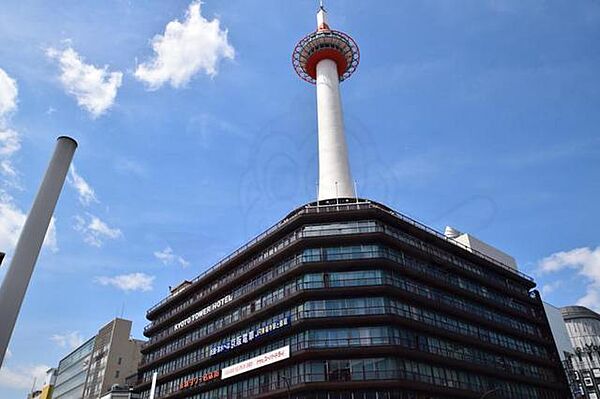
{"x": 339, "y": 370}
{"x": 119, "y": 361}
{"x": 117, "y": 374}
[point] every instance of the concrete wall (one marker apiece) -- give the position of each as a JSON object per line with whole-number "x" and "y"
{"x": 559, "y": 330}
{"x": 486, "y": 249}
{"x": 123, "y": 357}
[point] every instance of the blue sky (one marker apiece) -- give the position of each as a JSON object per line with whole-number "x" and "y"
{"x": 478, "y": 114}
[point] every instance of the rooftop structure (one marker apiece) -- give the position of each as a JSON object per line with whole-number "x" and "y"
{"x": 120, "y": 392}
{"x": 326, "y": 57}
{"x": 473, "y": 243}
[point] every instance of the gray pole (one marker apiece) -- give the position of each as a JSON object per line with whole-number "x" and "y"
{"x": 30, "y": 242}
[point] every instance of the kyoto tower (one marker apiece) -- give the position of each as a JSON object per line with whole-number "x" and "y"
{"x": 325, "y": 58}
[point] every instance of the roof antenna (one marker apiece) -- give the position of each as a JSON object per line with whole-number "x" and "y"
{"x": 321, "y": 6}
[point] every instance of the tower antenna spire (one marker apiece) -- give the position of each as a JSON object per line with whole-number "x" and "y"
{"x": 322, "y": 22}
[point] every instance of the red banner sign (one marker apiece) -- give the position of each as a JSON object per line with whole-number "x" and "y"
{"x": 192, "y": 382}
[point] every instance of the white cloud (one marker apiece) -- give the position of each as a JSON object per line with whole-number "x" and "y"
{"x": 70, "y": 340}
{"x": 8, "y": 354}
{"x": 7, "y": 169}
{"x": 128, "y": 282}
{"x": 547, "y": 289}
{"x": 94, "y": 88}
{"x": 130, "y": 167}
{"x": 12, "y": 219}
{"x": 185, "y": 49}
{"x": 12, "y": 216}
{"x": 586, "y": 261}
{"x": 167, "y": 257}
{"x": 95, "y": 231}
{"x": 85, "y": 192}
{"x": 50, "y": 240}
{"x": 22, "y": 377}
{"x": 10, "y": 142}
{"x": 8, "y": 94}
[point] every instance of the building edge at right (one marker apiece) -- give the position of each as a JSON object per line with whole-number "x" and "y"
{"x": 583, "y": 364}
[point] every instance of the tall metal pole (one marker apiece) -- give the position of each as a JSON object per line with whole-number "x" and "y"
{"x": 18, "y": 275}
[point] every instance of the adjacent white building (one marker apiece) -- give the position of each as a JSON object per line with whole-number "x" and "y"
{"x": 583, "y": 327}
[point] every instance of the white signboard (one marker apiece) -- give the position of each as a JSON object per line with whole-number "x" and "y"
{"x": 256, "y": 362}
{"x": 203, "y": 312}
{"x": 249, "y": 336}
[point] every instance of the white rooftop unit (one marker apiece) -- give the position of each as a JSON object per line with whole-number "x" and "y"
{"x": 474, "y": 244}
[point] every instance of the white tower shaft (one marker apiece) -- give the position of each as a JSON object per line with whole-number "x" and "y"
{"x": 335, "y": 180}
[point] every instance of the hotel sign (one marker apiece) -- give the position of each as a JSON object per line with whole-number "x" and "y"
{"x": 192, "y": 382}
{"x": 256, "y": 362}
{"x": 203, "y": 312}
{"x": 249, "y": 336}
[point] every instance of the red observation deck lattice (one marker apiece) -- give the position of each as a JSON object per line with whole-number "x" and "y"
{"x": 325, "y": 44}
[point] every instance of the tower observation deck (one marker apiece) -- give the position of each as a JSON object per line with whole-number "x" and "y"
{"x": 325, "y": 58}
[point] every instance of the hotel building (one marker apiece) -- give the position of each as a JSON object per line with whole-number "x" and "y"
{"x": 353, "y": 300}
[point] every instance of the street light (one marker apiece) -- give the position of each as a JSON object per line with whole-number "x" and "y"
{"x": 487, "y": 393}
{"x": 287, "y": 384}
